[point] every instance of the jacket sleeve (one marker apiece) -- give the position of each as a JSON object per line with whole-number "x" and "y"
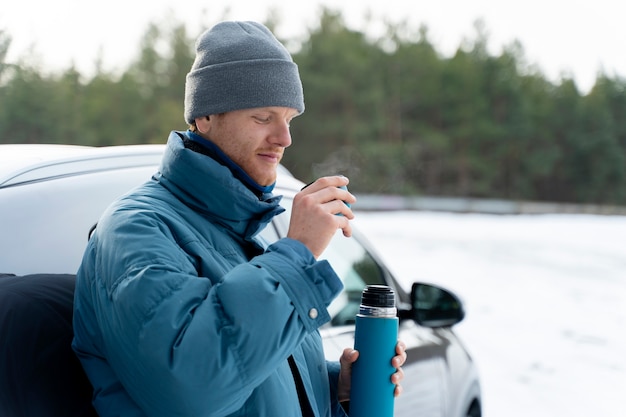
{"x": 180, "y": 343}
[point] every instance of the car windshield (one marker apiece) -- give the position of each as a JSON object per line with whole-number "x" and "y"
{"x": 350, "y": 260}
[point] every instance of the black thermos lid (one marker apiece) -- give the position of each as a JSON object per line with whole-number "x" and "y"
{"x": 378, "y": 296}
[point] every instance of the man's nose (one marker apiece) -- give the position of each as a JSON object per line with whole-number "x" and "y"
{"x": 282, "y": 135}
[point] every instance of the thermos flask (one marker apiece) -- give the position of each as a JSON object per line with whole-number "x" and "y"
{"x": 376, "y": 336}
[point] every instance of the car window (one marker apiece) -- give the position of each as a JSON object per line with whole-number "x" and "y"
{"x": 356, "y": 268}
{"x": 350, "y": 260}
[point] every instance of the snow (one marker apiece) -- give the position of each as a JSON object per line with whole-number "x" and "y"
{"x": 545, "y": 298}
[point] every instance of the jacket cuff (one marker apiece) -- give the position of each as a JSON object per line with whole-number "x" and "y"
{"x": 318, "y": 286}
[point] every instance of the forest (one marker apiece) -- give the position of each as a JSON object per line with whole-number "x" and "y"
{"x": 392, "y": 113}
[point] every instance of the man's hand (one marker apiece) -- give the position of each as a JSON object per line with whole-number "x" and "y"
{"x": 397, "y": 363}
{"x": 350, "y": 356}
{"x": 313, "y": 216}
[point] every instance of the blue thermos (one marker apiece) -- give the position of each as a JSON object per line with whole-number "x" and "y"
{"x": 376, "y": 336}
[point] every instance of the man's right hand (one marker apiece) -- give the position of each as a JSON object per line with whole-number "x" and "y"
{"x": 314, "y": 218}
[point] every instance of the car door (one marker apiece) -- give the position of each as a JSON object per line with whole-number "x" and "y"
{"x": 425, "y": 383}
{"x": 425, "y": 370}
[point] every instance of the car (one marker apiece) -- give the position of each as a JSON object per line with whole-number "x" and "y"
{"x": 51, "y": 197}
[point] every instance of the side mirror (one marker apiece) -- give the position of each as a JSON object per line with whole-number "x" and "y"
{"x": 432, "y": 306}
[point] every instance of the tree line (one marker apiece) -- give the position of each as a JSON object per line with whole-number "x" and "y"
{"x": 392, "y": 113}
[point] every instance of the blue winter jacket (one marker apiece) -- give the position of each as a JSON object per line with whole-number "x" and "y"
{"x": 179, "y": 311}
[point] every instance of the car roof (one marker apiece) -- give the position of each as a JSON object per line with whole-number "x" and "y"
{"x": 27, "y": 163}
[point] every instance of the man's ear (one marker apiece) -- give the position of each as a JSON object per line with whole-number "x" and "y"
{"x": 203, "y": 124}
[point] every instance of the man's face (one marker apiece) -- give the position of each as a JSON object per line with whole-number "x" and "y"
{"x": 254, "y": 139}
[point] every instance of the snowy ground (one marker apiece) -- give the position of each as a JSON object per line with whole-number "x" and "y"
{"x": 545, "y": 298}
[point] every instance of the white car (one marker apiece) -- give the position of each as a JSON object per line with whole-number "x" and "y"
{"x": 51, "y": 196}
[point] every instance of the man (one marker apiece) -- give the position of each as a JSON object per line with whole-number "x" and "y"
{"x": 180, "y": 310}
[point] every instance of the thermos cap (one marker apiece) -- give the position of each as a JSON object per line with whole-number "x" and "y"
{"x": 378, "y": 301}
{"x": 378, "y": 296}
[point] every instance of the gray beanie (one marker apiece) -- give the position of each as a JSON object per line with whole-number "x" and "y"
{"x": 240, "y": 65}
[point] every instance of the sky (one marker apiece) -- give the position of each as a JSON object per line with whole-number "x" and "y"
{"x": 573, "y": 38}
{"x": 545, "y": 301}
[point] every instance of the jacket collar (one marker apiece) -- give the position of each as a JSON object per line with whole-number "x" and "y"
{"x": 210, "y": 188}
{"x": 210, "y": 149}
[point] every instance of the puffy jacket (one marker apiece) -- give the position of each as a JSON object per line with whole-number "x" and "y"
{"x": 180, "y": 311}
